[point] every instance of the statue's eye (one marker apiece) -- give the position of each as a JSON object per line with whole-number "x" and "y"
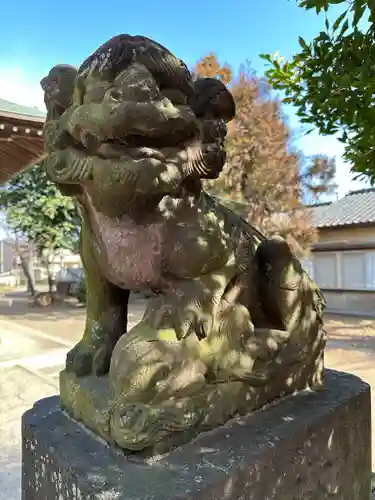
{"x": 116, "y": 95}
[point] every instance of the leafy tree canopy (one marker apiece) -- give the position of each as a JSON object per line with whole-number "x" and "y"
{"x": 331, "y": 80}
{"x": 36, "y": 210}
{"x": 264, "y": 179}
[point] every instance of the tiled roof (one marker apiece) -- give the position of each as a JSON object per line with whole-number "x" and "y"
{"x": 357, "y": 207}
{"x": 17, "y": 109}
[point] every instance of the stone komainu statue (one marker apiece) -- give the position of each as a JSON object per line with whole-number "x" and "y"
{"x": 235, "y": 321}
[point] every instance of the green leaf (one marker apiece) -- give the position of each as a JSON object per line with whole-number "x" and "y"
{"x": 266, "y": 57}
{"x": 326, "y": 22}
{"x": 323, "y": 36}
{"x": 358, "y": 12}
{"x": 35, "y": 209}
{"x": 308, "y": 4}
{"x": 339, "y": 20}
{"x": 303, "y": 44}
{"x": 345, "y": 26}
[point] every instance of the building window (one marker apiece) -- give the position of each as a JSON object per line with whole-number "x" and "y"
{"x": 370, "y": 270}
{"x": 347, "y": 270}
{"x": 353, "y": 270}
{"x": 325, "y": 269}
{"x": 308, "y": 267}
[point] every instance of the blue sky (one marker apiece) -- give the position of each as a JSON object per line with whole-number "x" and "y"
{"x": 36, "y": 35}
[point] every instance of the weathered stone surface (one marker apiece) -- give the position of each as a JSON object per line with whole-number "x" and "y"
{"x": 236, "y": 321}
{"x": 89, "y": 400}
{"x": 312, "y": 446}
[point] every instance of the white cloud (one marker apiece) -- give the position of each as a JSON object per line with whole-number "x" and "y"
{"x": 19, "y": 87}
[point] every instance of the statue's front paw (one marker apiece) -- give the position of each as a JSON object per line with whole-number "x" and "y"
{"x": 86, "y": 359}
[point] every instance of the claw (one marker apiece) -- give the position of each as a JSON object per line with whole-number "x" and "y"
{"x": 204, "y": 326}
{"x": 193, "y": 321}
{"x": 101, "y": 361}
{"x": 184, "y": 324}
{"x": 84, "y": 359}
{"x": 79, "y": 361}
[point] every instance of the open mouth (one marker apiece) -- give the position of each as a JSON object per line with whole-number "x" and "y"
{"x": 163, "y": 141}
{"x": 142, "y": 146}
{"x": 136, "y": 147}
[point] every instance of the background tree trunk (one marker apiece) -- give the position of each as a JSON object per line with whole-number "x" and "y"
{"x": 27, "y": 267}
{"x": 46, "y": 259}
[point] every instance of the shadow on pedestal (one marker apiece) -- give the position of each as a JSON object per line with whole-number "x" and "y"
{"x": 311, "y": 446}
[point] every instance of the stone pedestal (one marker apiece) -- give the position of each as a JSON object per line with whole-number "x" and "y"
{"x": 312, "y": 446}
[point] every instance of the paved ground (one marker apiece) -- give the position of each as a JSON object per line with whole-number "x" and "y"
{"x": 44, "y": 335}
{"x": 64, "y": 321}
{"x": 34, "y": 346}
